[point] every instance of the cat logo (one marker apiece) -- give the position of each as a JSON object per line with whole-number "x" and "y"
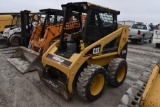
{"x": 96, "y": 50}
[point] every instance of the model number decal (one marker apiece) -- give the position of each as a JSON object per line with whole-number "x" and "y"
{"x": 58, "y": 59}
{"x": 96, "y": 50}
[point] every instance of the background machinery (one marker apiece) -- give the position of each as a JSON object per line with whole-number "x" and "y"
{"x": 25, "y": 56}
{"x": 20, "y": 29}
{"x": 156, "y": 36}
{"x": 42, "y": 38}
{"x": 89, "y": 56}
{"x": 12, "y": 33}
{"x": 44, "y": 33}
{"x": 8, "y": 21}
{"x": 5, "y": 21}
{"x": 50, "y": 30}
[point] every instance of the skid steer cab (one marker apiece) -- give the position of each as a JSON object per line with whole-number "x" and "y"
{"x": 90, "y": 56}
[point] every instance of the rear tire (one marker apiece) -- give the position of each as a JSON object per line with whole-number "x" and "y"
{"x": 14, "y": 40}
{"x": 142, "y": 40}
{"x": 117, "y": 72}
{"x": 151, "y": 39}
{"x": 91, "y": 82}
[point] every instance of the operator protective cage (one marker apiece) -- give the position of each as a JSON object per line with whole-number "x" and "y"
{"x": 101, "y": 20}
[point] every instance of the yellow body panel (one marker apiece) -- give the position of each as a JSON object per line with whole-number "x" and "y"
{"x": 102, "y": 60}
{"x": 78, "y": 59}
{"x": 151, "y": 94}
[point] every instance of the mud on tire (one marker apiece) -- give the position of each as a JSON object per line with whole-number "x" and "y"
{"x": 117, "y": 72}
{"x": 91, "y": 82}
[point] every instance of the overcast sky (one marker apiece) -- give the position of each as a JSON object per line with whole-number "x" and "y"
{"x": 137, "y": 10}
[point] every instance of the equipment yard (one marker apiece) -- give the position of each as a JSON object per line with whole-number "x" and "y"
{"x": 27, "y": 90}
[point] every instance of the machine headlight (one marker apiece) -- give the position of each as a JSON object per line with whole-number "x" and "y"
{"x": 5, "y": 33}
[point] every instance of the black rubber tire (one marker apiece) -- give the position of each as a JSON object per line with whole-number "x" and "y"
{"x": 85, "y": 79}
{"x": 151, "y": 39}
{"x": 12, "y": 40}
{"x": 142, "y": 40}
{"x": 113, "y": 70}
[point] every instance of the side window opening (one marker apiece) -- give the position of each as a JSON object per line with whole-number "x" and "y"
{"x": 101, "y": 24}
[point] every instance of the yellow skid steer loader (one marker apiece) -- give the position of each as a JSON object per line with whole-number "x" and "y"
{"x": 91, "y": 55}
{"x": 146, "y": 90}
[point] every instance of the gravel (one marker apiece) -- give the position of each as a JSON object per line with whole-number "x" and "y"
{"x": 26, "y": 90}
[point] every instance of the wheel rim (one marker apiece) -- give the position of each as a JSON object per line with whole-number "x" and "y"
{"x": 121, "y": 73}
{"x": 97, "y": 84}
{"x": 15, "y": 41}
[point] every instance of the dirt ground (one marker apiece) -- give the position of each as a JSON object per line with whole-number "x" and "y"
{"x": 26, "y": 90}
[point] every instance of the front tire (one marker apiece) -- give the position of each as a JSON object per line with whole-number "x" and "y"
{"x": 117, "y": 72}
{"x": 91, "y": 82}
{"x": 14, "y": 40}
